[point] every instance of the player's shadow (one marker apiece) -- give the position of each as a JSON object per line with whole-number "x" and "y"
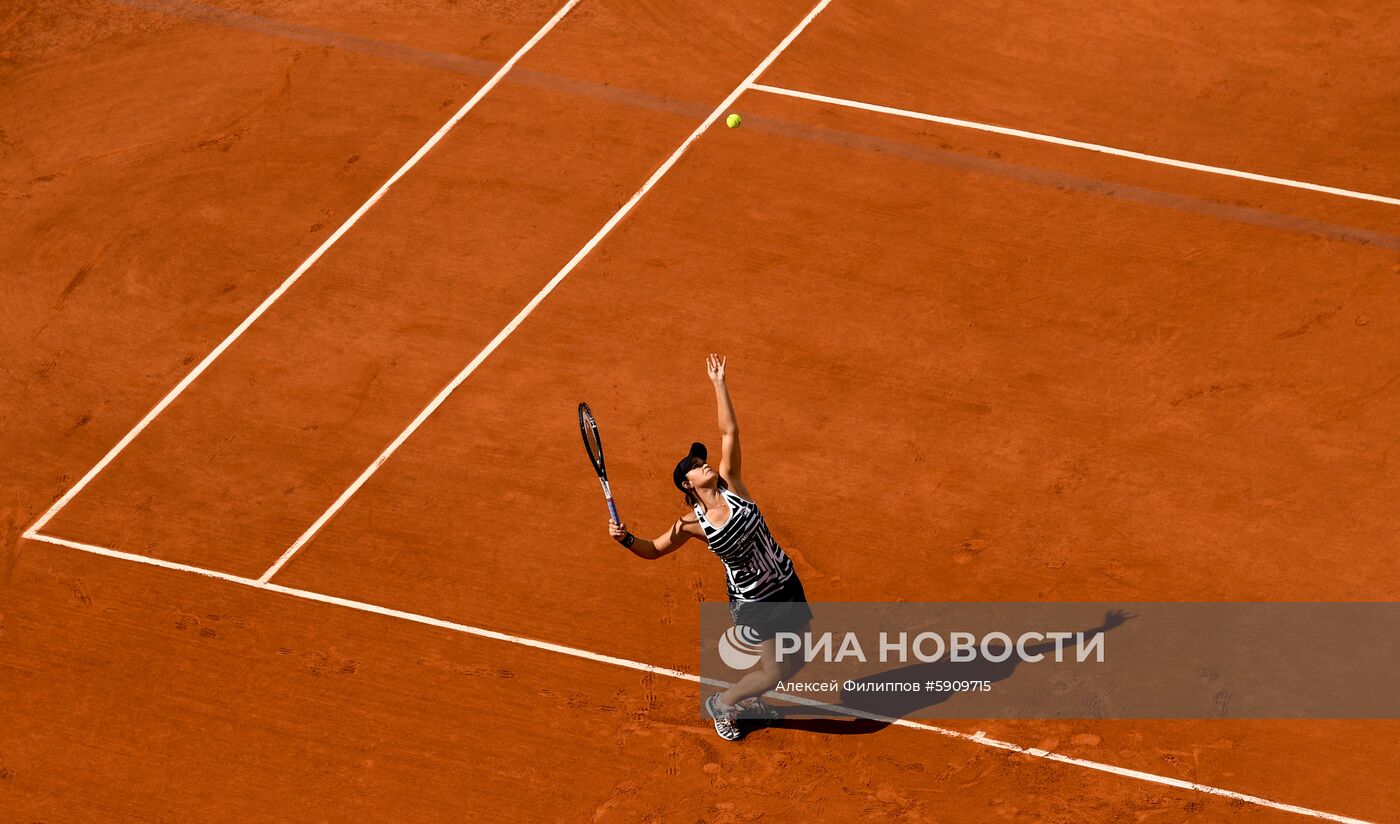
{"x": 852, "y": 715}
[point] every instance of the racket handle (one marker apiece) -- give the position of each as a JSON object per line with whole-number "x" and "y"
{"x": 612, "y": 510}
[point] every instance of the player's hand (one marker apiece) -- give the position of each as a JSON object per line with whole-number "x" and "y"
{"x": 714, "y": 365}
{"x": 616, "y": 530}
{"x": 1116, "y": 618}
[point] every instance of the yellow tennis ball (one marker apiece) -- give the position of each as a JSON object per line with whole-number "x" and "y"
{"x": 733, "y": 121}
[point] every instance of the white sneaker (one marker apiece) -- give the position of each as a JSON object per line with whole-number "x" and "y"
{"x": 757, "y": 709}
{"x": 724, "y": 719}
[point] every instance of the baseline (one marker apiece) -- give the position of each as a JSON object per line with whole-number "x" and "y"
{"x": 979, "y": 737}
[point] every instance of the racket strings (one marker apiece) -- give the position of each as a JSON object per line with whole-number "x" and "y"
{"x": 591, "y": 440}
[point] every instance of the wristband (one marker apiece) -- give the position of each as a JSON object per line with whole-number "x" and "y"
{"x": 628, "y": 540}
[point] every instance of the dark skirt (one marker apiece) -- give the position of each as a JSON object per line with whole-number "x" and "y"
{"x": 784, "y": 611}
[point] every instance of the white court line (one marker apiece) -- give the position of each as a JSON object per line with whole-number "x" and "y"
{"x": 140, "y": 559}
{"x": 1077, "y": 144}
{"x": 541, "y": 295}
{"x": 978, "y": 737}
{"x": 296, "y": 275}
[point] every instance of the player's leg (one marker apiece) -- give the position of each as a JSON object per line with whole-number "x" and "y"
{"x": 762, "y": 678}
{"x": 725, "y": 707}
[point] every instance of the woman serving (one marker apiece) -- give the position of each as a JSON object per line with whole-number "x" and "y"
{"x": 757, "y": 571}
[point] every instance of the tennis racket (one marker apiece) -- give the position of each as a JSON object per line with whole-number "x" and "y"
{"x": 591, "y": 442}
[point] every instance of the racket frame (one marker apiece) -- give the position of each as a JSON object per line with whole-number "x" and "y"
{"x": 588, "y": 424}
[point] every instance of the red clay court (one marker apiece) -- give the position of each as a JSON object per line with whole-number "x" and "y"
{"x": 1058, "y": 301}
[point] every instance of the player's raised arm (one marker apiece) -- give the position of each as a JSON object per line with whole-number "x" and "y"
{"x": 729, "y": 460}
{"x": 681, "y": 531}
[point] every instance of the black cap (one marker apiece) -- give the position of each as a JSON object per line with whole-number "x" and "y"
{"x": 697, "y": 450}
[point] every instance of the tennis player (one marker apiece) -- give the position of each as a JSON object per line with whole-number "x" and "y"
{"x": 765, "y": 595}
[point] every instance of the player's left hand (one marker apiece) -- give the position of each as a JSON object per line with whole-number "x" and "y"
{"x": 714, "y": 365}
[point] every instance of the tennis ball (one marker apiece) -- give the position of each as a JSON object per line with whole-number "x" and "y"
{"x": 733, "y": 121}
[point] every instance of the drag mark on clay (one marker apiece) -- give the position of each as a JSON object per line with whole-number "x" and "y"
{"x": 208, "y": 626}
{"x": 1305, "y": 326}
{"x": 81, "y": 275}
{"x": 321, "y": 663}
{"x": 969, "y": 549}
{"x": 79, "y": 591}
{"x": 462, "y": 669}
{"x": 231, "y": 132}
{"x": 83, "y": 420}
{"x": 1212, "y": 390}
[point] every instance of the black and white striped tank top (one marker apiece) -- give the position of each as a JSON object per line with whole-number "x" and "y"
{"x": 754, "y": 565}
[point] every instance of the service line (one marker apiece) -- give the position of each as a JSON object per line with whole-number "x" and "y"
{"x": 1076, "y": 144}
